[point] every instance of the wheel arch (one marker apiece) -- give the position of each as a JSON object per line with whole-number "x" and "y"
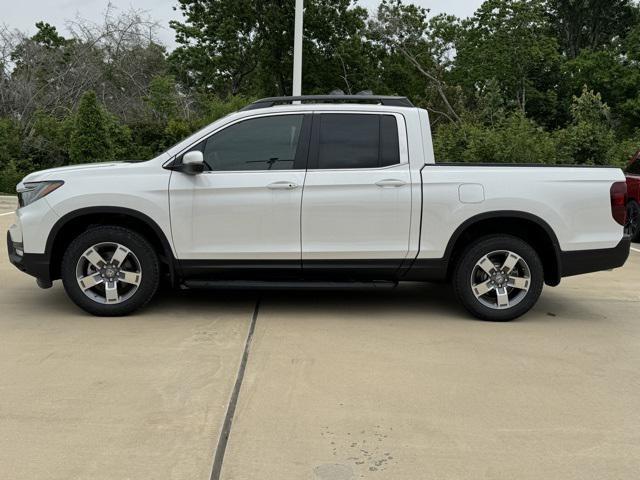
{"x": 77, "y": 221}
{"x": 530, "y": 228}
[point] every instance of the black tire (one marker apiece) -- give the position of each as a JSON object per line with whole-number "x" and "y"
{"x": 633, "y": 220}
{"x": 467, "y": 266}
{"x": 137, "y": 244}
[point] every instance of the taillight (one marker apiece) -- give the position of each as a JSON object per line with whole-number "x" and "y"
{"x": 619, "y": 202}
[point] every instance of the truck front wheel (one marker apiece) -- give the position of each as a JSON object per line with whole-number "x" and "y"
{"x": 110, "y": 271}
{"x": 498, "y": 278}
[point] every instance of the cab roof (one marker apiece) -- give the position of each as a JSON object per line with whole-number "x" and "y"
{"x": 391, "y": 101}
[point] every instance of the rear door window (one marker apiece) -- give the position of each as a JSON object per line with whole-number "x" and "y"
{"x": 344, "y": 140}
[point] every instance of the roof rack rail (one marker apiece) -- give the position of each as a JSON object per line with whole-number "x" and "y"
{"x": 380, "y": 99}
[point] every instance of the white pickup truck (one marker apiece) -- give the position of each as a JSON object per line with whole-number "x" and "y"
{"x": 316, "y": 191}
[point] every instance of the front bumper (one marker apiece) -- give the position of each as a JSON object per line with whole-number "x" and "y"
{"x": 34, "y": 264}
{"x": 587, "y": 261}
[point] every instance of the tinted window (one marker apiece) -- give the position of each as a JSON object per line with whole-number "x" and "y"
{"x": 389, "y": 147}
{"x": 634, "y": 168}
{"x": 267, "y": 143}
{"x": 357, "y": 141}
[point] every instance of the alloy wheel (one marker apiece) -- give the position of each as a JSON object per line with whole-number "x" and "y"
{"x": 108, "y": 273}
{"x": 500, "y": 280}
{"x": 633, "y": 219}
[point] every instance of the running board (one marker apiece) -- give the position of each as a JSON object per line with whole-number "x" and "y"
{"x": 289, "y": 285}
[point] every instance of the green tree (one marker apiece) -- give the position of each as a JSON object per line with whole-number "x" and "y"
{"x": 513, "y": 139}
{"x": 13, "y": 166}
{"x": 589, "y": 139}
{"x": 10, "y": 176}
{"x": 119, "y": 135}
{"x": 505, "y": 85}
{"x": 614, "y": 72}
{"x": 591, "y": 24}
{"x": 212, "y": 107}
{"x": 512, "y": 43}
{"x": 491, "y": 104}
{"x": 90, "y": 139}
{"x": 48, "y": 36}
{"x": 10, "y": 141}
{"x": 229, "y": 47}
{"x": 421, "y": 50}
{"x": 163, "y": 97}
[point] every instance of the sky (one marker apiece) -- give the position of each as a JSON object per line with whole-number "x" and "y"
{"x": 57, "y": 12}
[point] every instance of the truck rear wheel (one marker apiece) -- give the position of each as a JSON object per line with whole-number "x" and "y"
{"x": 110, "y": 271}
{"x": 498, "y": 278}
{"x": 633, "y": 220}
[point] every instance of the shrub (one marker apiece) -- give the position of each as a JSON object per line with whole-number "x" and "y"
{"x": 90, "y": 139}
{"x": 514, "y": 139}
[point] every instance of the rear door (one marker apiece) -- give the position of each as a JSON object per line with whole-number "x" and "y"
{"x": 356, "y": 206}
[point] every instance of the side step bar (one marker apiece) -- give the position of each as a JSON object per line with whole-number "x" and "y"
{"x": 288, "y": 285}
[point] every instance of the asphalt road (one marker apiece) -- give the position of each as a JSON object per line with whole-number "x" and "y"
{"x": 398, "y": 384}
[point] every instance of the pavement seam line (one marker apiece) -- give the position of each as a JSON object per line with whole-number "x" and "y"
{"x": 635, "y": 249}
{"x": 218, "y": 458}
{"x": 7, "y": 213}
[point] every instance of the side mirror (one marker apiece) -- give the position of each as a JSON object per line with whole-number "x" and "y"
{"x": 193, "y": 162}
{"x": 193, "y": 158}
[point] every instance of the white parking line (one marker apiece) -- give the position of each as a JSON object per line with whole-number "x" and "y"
{"x": 635, "y": 249}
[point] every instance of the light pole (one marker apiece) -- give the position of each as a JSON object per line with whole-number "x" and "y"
{"x": 297, "y": 50}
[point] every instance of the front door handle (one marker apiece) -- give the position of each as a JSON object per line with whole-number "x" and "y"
{"x": 282, "y": 186}
{"x": 390, "y": 183}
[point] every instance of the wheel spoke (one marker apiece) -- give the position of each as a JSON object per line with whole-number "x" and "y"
{"x": 519, "y": 283}
{"x": 119, "y": 255}
{"x": 90, "y": 281}
{"x": 94, "y": 258}
{"x": 130, "y": 277}
{"x": 482, "y": 288}
{"x": 502, "y": 297}
{"x": 487, "y": 265}
{"x": 510, "y": 262}
{"x": 111, "y": 292}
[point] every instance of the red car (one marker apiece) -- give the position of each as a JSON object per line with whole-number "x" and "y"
{"x": 633, "y": 202}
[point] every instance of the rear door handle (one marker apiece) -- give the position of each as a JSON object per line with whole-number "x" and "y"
{"x": 282, "y": 186}
{"x": 390, "y": 183}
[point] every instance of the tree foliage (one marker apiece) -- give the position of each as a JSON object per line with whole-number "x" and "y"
{"x": 423, "y": 46}
{"x": 541, "y": 81}
{"x": 90, "y": 137}
{"x": 245, "y": 46}
{"x": 511, "y": 42}
{"x": 591, "y": 24}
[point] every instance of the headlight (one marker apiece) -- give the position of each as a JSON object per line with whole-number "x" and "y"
{"x": 32, "y": 191}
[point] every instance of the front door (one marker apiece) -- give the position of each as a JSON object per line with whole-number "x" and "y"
{"x": 243, "y": 212}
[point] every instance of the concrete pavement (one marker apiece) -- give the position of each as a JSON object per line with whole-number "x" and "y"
{"x": 141, "y": 397}
{"x": 7, "y": 203}
{"x": 398, "y": 384}
{"x": 403, "y": 385}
